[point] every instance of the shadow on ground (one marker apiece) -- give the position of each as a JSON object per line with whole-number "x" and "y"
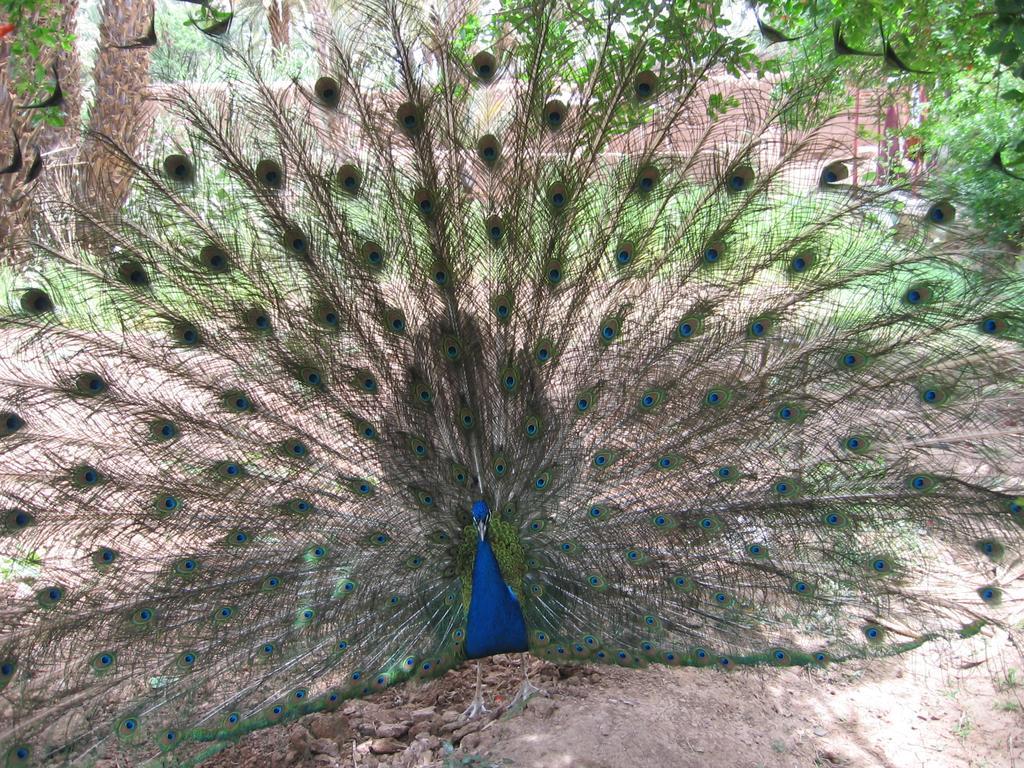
{"x": 938, "y": 706}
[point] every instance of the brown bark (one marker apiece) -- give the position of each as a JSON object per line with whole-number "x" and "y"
{"x": 119, "y": 110}
{"x": 279, "y": 17}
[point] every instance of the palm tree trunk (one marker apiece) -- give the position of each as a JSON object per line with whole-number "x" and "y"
{"x": 279, "y": 17}
{"x": 119, "y": 110}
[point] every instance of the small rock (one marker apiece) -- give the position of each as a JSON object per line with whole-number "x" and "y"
{"x": 472, "y": 741}
{"x": 450, "y": 716}
{"x": 326, "y": 761}
{"x": 364, "y": 748}
{"x": 449, "y": 728}
{"x": 324, "y": 747}
{"x": 298, "y": 739}
{"x": 429, "y": 741}
{"x": 420, "y": 729}
{"x": 419, "y": 715}
{"x": 470, "y": 727}
{"x": 391, "y": 730}
{"x": 365, "y": 728}
{"x": 386, "y": 746}
{"x": 542, "y": 706}
{"x": 819, "y": 731}
{"x": 334, "y": 727}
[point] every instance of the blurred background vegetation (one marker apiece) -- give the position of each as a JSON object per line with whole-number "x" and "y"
{"x": 940, "y": 123}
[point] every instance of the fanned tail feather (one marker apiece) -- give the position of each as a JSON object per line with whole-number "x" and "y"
{"x": 724, "y": 407}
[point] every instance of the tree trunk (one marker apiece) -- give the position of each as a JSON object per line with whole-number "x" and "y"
{"x": 18, "y": 200}
{"x": 279, "y": 17}
{"x": 119, "y": 110}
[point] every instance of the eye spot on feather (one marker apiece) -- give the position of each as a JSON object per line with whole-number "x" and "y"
{"x": 554, "y": 114}
{"x": 410, "y": 118}
{"x": 740, "y": 179}
{"x": 295, "y": 242}
{"x": 941, "y": 213}
{"x": 373, "y": 255}
{"x": 17, "y": 520}
{"x": 645, "y": 85}
{"x": 328, "y": 91}
{"x": 179, "y": 169}
{"x": 990, "y": 595}
{"x": 350, "y": 179}
{"x": 648, "y": 179}
{"x": 11, "y": 423}
{"x": 624, "y": 253}
{"x": 484, "y": 66}
{"x": 270, "y": 174}
{"x": 36, "y": 302}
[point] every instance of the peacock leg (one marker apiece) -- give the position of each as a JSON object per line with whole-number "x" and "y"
{"x": 527, "y": 689}
{"x": 476, "y": 707}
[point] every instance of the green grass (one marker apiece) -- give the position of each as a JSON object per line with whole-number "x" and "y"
{"x": 1009, "y": 681}
{"x": 963, "y": 728}
{"x": 25, "y": 567}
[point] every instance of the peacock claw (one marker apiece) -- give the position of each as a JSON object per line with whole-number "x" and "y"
{"x": 475, "y": 709}
{"x": 526, "y": 691}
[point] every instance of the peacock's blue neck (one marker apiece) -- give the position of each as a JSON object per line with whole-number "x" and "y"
{"x": 495, "y": 623}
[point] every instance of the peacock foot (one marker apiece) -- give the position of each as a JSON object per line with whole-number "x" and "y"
{"x": 526, "y": 691}
{"x": 476, "y": 708}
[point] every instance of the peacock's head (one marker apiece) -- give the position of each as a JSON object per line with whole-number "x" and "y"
{"x": 480, "y": 510}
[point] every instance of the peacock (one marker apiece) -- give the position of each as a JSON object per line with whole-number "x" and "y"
{"x": 511, "y": 336}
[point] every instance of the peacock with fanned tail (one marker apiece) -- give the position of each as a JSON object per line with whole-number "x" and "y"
{"x": 452, "y": 352}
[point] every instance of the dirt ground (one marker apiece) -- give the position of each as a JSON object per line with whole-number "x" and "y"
{"x": 942, "y": 705}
